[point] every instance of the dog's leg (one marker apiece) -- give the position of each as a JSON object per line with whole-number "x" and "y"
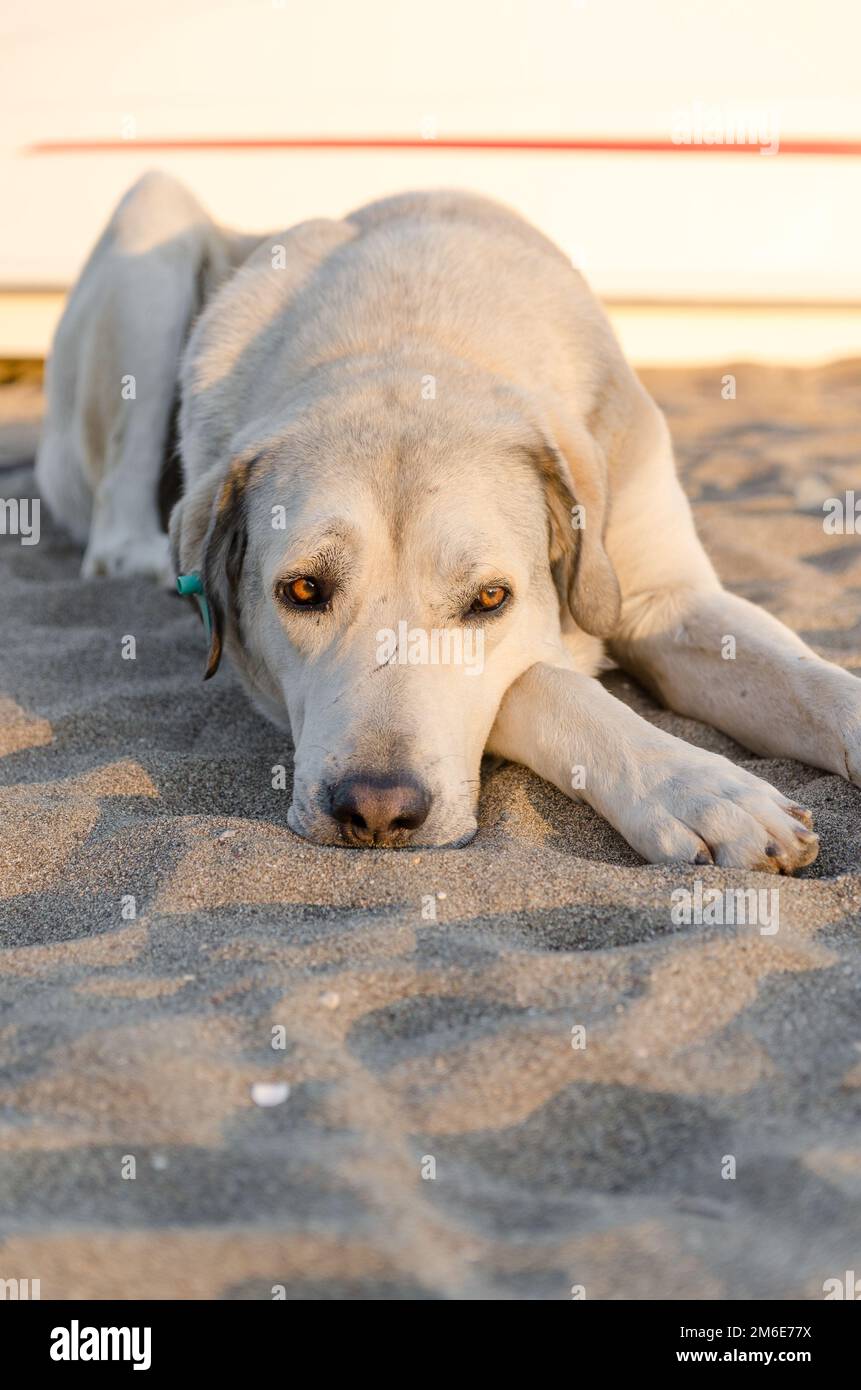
{"x": 163, "y": 254}
{"x": 711, "y": 655}
{"x": 720, "y": 659}
{"x": 114, "y": 369}
{"x": 672, "y": 802}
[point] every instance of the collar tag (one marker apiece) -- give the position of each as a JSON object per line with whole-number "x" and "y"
{"x": 192, "y": 584}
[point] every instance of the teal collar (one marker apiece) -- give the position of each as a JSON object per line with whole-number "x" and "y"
{"x": 193, "y": 584}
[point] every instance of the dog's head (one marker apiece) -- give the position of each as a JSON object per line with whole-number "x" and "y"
{"x": 380, "y": 575}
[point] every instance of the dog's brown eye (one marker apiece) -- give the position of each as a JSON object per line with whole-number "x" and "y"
{"x": 491, "y": 597}
{"x": 304, "y": 592}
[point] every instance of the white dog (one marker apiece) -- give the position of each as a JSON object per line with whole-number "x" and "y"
{"x": 417, "y": 421}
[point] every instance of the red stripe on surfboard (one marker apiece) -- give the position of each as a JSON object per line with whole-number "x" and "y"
{"x": 537, "y": 145}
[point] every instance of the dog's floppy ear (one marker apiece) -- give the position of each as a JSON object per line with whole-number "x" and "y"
{"x": 575, "y": 481}
{"x": 208, "y": 536}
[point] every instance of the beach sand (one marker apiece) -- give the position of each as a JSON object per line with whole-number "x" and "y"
{"x": 441, "y": 1138}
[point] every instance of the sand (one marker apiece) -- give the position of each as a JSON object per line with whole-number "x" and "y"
{"x": 441, "y": 1138}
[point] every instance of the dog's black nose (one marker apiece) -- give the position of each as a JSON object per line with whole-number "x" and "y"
{"x": 379, "y": 810}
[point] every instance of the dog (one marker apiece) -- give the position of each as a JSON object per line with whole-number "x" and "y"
{"x": 417, "y": 420}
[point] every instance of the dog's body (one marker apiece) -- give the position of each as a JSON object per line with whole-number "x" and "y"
{"x": 419, "y": 417}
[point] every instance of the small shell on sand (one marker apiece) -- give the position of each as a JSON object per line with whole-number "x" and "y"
{"x": 269, "y": 1093}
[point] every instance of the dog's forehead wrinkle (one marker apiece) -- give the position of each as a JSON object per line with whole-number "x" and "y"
{"x": 469, "y": 563}
{"x": 326, "y": 544}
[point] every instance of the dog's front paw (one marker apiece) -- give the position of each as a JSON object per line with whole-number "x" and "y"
{"x": 698, "y": 808}
{"x": 122, "y": 556}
